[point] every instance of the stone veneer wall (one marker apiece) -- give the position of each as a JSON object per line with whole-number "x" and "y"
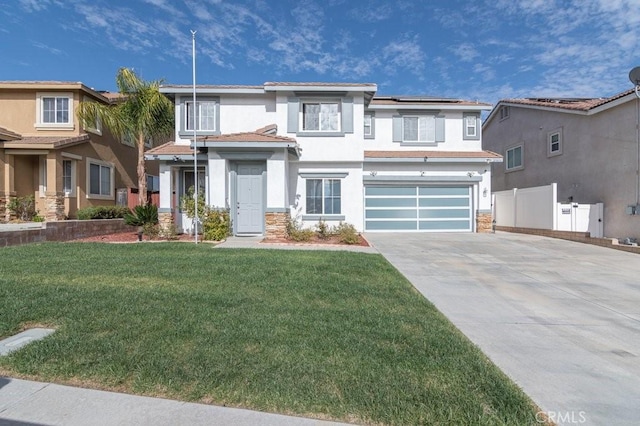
{"x": 55, "y": 207}
{"x": 483, "y": 222}
{"x": 64, "y": 231}
{"x": 276, "y": 225}
{"x": 4, "y": 212}
{"x": 165, "y": 220}
{"x": 581, "y": 237}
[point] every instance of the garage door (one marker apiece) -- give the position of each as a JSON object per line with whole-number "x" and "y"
{"x": 417, "y": 208}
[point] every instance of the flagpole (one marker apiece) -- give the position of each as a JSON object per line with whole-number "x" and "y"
{"x": 195, "y": 144}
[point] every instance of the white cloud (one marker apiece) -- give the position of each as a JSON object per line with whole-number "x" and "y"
{"x": 466, "y": 52}
{"x": 49, "y": 49}
{"x": 404, "y": 54}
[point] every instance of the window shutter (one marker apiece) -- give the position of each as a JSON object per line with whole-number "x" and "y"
{"x": 439, "y": 129}
{"x": 397, "y": 128}
{"x": 347, "y": 115}
{"x": 478, "y": 127}
{"x": 293, "y": 108}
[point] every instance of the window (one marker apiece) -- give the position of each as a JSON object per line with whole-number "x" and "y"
{"x": 96, "y": 126}
{"x": 554, "y": 143}
{"x": 69, "y": 177}
{"x": 323, "y": 196}
{"x": 188, "y": 182}
{"x": 514, "y": 158}
{"x": 54, "y": 110}
{"x": 368, "y": 126}
{"x": 324, "y": 117}
{"x": 130, "y": 140}
{"x": 205, "y": 115}
{"x": 100, "y": 179}
{"x": 153, "y": 183}
{"x": 470, "y": 126}
{"x": 419, "y": 129}
{"x": 504, "y": 112}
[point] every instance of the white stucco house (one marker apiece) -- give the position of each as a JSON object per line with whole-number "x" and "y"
{"x": 590, "y": 147}
{"x": 330, "y": 151}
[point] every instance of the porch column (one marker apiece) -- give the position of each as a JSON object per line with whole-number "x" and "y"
{"x": 4, "y": 191}
{"x": 277, "y": 214}
{"x": 217, "y": 183}
{"x": 167, "y": 189}
{"x": 54, "y": 196}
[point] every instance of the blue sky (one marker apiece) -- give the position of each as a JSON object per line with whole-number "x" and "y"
{"x": 484, "y": 50}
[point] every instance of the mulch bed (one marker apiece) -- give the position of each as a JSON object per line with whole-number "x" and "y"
{"x": 334, "y": 240}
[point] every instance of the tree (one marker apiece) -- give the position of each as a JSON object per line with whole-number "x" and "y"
{"x": 142, "y": 112}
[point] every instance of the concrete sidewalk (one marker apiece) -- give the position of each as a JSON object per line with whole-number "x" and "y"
{"x": 25, "y": 402}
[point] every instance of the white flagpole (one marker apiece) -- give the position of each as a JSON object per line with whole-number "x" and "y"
{"x": 195, "y": 144}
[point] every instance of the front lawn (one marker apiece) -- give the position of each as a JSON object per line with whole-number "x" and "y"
{"x": 331, "y": 335}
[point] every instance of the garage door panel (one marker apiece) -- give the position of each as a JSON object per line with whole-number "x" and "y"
{"x": 391, "y": 225}
{"x": 391, "y": 214}
{"x": 445, "y": 225}
{"x": 444, "y": 214}
{"x": 437, "y": 208}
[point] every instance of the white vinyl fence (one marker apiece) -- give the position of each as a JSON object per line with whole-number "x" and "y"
{"x": 538, "y": 207}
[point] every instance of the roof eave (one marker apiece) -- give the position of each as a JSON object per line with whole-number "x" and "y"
{"x": 443, "y": 107}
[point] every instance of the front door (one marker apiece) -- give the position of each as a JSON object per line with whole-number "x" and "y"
{"x": 249, "y": 217}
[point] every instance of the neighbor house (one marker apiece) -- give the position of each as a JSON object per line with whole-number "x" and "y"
{"x": 327, "y": 151}
{"x": 46, "y": 152}
{"x": 589, "y": 147}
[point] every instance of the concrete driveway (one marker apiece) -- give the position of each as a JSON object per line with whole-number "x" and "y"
{"x": 562, "y": 319}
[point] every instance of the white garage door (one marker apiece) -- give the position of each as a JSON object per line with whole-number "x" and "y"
{"x": 417, "y": 208}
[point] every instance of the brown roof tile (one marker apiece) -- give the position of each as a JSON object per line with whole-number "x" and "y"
{"x": 248, "y": 137}
{"x": 170, "y": 148}
{"x": 431, "y": 154}
{"x": 576, "y": 104}
{"x": 6, "y": 134}
{"x": 417, "y": 100}
{"x": 321, "y": 84}
{"x": 52, "y": 141}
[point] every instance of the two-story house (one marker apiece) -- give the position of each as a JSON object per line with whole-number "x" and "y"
{"x": 590, "y": 147}
{"x": 46, "y": 152}
{"x": 330, "y": 151}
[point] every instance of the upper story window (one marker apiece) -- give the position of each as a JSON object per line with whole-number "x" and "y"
{"x": 471, "y": 123}
{"x": 514, "y": 158}
{"x": 205, "y": 116}
{"x": 321, "y": 116}
{"x": 418, "y": 128}
{"x": 504, "y": 112}
{"x": 316, "y": 116}
{"x": 554, "y": 143}
{"x": 131, "y": 140}
{"x": 96, "y": 126}
{"x": 54, "y": 110}
{"x": 369, "y": 126}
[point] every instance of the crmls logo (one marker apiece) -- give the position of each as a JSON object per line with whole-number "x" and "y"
{"x": 562, "y": 417}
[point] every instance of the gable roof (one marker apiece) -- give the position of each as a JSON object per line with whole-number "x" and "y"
{"x": 51, "y": 85}
{"x": 584, "y": 106}
{"x": 424, "y": 102}
{"x": 247, "y": 137}
{"x": 8, "y": 135}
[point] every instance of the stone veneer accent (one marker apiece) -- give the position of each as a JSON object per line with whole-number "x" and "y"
{"x": 55, "y": 207}
{"x": 483, "y": 222}
{"x": 276, "y": 225}
{"x": 4, "y": 212}
{"x": 165, "y": 220}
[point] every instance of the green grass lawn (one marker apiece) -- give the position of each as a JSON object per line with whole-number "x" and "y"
{"x": 331, "y": 335}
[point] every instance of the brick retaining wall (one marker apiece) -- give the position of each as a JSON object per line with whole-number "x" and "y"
{"x": 581, "y": 237}
{"x": 63, "y": 231}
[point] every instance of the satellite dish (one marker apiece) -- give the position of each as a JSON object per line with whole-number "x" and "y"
{"x": 634, "y": 76}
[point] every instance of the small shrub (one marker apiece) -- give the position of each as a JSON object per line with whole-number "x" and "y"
{"x": 38, "y": 218}
{"x": 142, "y": 215}
{"x": 216, "y": 224}
{"x": 23, "y": 208}
{"x": 151, "y": 230}
{"x": 348, "y": 233}
{"x": 169, "y": 232}
{"x": 296, "y": 232}
{"x": 102, "y": 212}
{"x": 188, "y": 203}
{"x": 323, "y": 230}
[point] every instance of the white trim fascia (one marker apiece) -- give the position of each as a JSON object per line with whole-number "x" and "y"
{"x": 421, "y": 179}
{"x": 431, "y": 107}
{"x": 612, "y": 104}
{"x": 211, "y": 90}
{"x": 482, "y": 160}
{"x": 290, "y": 88}
{"x": 213, "y": 144}
{"x": 172, "y": 158}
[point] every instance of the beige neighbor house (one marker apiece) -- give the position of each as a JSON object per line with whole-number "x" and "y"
{"x": 47, "y": 153}
{"x": 589, "y": 147}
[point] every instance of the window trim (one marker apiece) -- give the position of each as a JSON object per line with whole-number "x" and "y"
{"x": 506, "y": 158}
{"x": 111, "y": 167}
{"x": 329, "y": 216}
{"x": 505, "y": 112}
{"x": 418, "y": 116}
{"x": 320, "y": 102}
{"x": 550, "y": 135}
{"x": 72, "y": 192}
{"x": 476, "y": 127}
{"x": 41, "y": 124}
{"x": 97, "y": 129}
{"x": 372, "y": 134}
{"x": 345, "y": 107}
{"x": 182, "y": 116}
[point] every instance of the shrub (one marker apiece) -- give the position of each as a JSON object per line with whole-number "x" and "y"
{"x": 216, "y": 224}
{"x": 188, "y": 203}
{"x": 142, "y": 215}
{"x": 348, "y": 233}
{"x": 323, "y": 230}
{"x": 169, "y": 232}
{"x": 151, "y": 230}
{"x": 296, "y": 232}
{"x": 24, "y": 208}
{"x": 102, "y": 212}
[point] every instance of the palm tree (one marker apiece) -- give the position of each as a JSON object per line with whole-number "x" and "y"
{"x": 141, "y": 113}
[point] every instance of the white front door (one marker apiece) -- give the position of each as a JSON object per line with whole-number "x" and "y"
{"x": 249, "y": 195}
